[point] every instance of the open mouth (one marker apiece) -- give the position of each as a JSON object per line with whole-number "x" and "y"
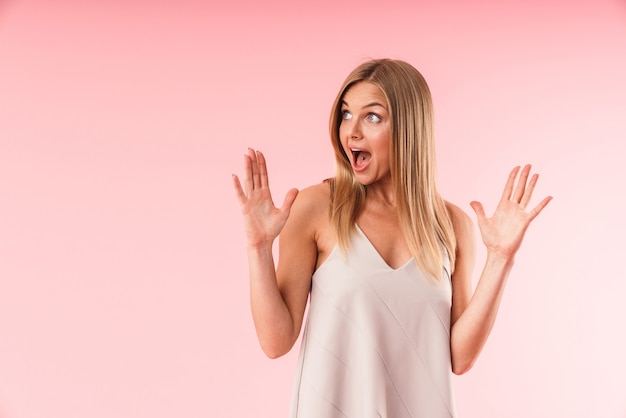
{"x": 360, "y": 157}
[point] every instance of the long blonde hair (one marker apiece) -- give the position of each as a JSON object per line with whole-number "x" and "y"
{"x": 424, "y": 219}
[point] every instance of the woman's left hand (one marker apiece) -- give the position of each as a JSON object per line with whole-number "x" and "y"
{"x": 502, "y": 234}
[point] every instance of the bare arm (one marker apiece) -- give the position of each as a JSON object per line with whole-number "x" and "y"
{"x": 277, "y": 300}
{"x": 473, "y": 316}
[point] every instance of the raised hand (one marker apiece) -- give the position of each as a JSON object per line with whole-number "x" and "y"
{"x": 262, "y": 220}
{"x": 504, "y": 231}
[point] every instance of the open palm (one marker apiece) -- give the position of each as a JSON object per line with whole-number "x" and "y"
{"x": 262, "y": 220}
{"x": 503, "y": 232}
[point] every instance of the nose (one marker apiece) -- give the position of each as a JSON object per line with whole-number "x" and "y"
{"x": 353, "y": 130}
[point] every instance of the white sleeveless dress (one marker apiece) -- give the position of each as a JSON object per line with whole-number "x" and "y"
{"x": 376, "y": 341}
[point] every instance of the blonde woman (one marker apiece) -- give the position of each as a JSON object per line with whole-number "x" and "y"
{"x": 385, "y": 261}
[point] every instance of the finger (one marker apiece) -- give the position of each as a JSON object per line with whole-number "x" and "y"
{"x": 478, "y": 208}
{"x": 537, "y": 210}
{"x": 247, "y": 175}
{"x": 241, "y": 196}
{"x": 256, "y": 183}
{"x": 508, "y": 188}
{"x": 521, "y": 184}
{"x": 290, "y": 197}
{"x": 528, "y": 193}
{"x": 262, "y": 170}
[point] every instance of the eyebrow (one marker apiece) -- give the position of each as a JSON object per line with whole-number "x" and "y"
{"x": 373, "y": 104}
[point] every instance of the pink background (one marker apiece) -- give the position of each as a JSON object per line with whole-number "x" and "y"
{"x": 123, "y": 277}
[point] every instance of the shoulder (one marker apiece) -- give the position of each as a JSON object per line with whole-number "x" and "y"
{"x": 313, "y": 194}
{"x": 311, "y": 207}
{"x": 461, "y": 222}
{"x": 313, "y": 200}
{"x": 463, "y": 226}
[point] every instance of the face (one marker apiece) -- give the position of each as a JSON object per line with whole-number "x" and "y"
{"x": 365, "y": 132}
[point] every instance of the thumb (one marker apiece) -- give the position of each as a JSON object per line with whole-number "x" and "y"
{"x": 290, "y": 197}
{"x": 478, "y": 208}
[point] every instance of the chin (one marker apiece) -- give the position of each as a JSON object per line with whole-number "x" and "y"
{"x": 363, "y": 181}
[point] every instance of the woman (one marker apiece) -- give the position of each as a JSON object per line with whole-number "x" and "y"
{"x": 386, "y": 261}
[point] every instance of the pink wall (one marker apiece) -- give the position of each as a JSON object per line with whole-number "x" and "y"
{"x": 123, "y": 278}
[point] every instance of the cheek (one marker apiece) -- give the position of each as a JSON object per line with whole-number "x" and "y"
{"x": 341, "y": 134}
{"x": 343, "y": 137}
{"x": 342, "y": 143}
{"x": 342, "y": 131}
{"x": 382, "y": 147}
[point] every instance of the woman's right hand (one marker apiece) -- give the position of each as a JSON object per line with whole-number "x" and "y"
{"x": 262, "y": 220}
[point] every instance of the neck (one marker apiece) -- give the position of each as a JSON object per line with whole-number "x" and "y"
{"x": 382, "y": 193}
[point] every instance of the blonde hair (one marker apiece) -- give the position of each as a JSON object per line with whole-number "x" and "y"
{"x": 424, "y": 218}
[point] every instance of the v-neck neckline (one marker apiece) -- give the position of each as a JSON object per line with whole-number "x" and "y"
{"x": 377, "y": 253}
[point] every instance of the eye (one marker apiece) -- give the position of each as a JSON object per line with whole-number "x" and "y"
{"x": 345, "y": 115}
{"x": 373, "y": 117}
